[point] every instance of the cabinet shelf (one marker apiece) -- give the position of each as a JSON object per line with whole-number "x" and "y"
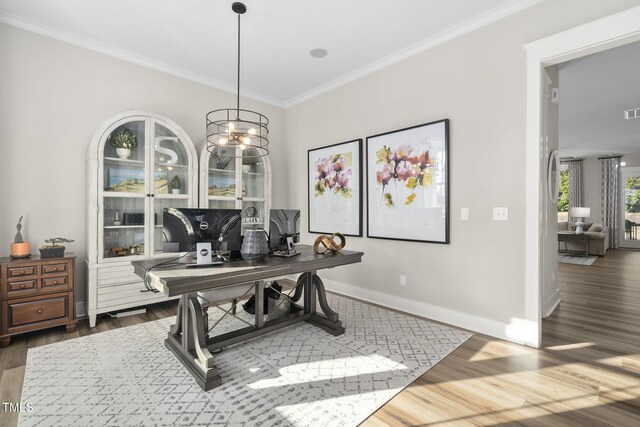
{"x": 128, "y": 162}
{"x": 169, "y": 165}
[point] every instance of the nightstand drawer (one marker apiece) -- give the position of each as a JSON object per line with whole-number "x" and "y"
{"x": 30, "y": 270}
{"x": 22, "y": 287}
{"x": 22, "y": 313}
{"x": 54, "y": 268}
{"x": 54, "y": 283}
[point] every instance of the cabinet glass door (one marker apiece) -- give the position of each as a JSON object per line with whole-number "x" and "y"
{"x": 123, "y": 226}
{"x": 171, "y": 163}
{"x": 170, "y": 180}
{"x": 124, "y": 191}
{"x": 253, "y": 186}
{"x": 222, "y": 188}
{"x": 124, "y": 168}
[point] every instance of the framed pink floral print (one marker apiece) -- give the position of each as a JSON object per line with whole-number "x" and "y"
{"x": 335, "y": 188}
{"x": 408, "y": 184}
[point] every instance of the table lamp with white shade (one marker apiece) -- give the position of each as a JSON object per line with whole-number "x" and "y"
{"x": 580, "y": 214}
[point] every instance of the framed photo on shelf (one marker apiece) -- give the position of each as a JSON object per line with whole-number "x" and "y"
{"x": 222, "y": 186}
{"x": 123, "y": 180}
{"x": 335, "y": 188}
{"x": 408, "y": 184}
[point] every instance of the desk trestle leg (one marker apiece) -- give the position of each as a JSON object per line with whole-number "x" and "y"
{"x": 330, "y": 320}
{"x": 187, "y": 341}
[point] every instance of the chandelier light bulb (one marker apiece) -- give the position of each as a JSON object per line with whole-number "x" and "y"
{"x": 232, "y": 126}
{"x": 251, "y": 131}
{"x": 222, "y": 141}
{"x": 242, "y": 146}
{"x": 246, "y": 140}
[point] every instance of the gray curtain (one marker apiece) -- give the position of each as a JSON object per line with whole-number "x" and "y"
{"x": 575, "y": 183}
{"x": 610, "y": 191}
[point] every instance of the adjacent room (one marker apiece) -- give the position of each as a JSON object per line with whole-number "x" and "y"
{"x": 595, "y": 295}
{"x": 306, "y": 214}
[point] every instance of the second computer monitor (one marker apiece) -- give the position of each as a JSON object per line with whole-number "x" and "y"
{"x": 283, "y": 224}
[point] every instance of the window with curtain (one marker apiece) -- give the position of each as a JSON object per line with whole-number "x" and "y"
{"x": 563, "y": 199}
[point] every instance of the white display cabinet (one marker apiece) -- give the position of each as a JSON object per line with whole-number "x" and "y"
{"x": 127, "y": 192}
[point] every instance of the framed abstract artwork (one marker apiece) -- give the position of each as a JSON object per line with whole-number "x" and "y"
{"x": 335, "y": 188}
{"x": 408, "y": 184}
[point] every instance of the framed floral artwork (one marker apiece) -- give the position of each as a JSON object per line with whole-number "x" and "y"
{"x": 335, "y": 188}
{"x": 408, "y": 184}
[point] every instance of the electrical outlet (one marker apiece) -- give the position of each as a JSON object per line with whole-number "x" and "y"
{"x": 464, "y": 214}
{"x": 501, "y": 214}
{"x": 403, "y": 280}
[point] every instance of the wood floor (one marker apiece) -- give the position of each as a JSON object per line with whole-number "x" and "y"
{"x": 586, "y": 374}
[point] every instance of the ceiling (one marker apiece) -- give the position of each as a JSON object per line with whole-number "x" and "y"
{"x": 594, "y": 92}
{"x": 196, "y": 39}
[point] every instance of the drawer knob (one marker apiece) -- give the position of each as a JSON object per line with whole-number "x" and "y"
{"x": 22, "y": 286}
{"x": 54, "y": 269}
{"x": 39, "y": 311}
{"x": 55, "y": 282}
{"x": 21, "y": 272}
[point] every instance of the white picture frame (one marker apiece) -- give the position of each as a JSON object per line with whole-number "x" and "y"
{"x": 335, "y": 188}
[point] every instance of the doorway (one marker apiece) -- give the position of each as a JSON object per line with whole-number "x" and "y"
{"x": 597, "y": 36}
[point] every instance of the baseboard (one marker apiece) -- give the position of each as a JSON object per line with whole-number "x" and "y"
{"x": 518, "y": 331}
{"x": 551, "y": 303}
{"x": 81, "y": 310}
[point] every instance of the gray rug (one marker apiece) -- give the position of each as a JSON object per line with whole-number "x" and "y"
{"x": 581, "y": 260}
{"x": 298, "y": 376}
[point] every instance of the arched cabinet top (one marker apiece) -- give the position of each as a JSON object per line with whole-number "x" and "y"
{"x": 100, "y": 136}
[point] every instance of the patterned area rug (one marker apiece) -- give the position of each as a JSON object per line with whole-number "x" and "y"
{"x": 581, "y": 260}
{"x": 298, "y": 376}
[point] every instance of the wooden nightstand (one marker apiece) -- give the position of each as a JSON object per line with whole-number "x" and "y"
{"x": 36, "y": 294}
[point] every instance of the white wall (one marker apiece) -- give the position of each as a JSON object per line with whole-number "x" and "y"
{"x": 478, "y": 81}
{"x": 53, "y": 97}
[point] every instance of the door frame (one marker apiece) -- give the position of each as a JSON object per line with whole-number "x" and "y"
{"x": 603, "y": 34}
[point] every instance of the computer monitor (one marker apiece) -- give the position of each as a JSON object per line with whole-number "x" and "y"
{"x": 284, "y": 230}
{"x": 188, "y": 226}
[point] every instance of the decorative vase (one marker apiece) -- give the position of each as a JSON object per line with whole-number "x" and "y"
{"x": 175, "y": 191}
{"x": 123, "y": 153}
{"x": 20, "y": 250}
{"x": 52, "y": 252}
{"x": 255, "y": 246}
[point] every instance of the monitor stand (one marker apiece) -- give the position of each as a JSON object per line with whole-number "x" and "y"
{"x": 289, "y": 252}
{"x": 203, "y": 254}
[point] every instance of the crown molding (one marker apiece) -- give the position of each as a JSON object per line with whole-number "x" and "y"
{"x": 466, "y": 27}
{"x": 54, "y": 33}
{"x": 440, "y": 38}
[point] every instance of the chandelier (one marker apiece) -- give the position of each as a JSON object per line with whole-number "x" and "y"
{"x": 234, "y": 132}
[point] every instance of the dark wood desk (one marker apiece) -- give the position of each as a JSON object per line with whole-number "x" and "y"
{"x": 188, "y": 339}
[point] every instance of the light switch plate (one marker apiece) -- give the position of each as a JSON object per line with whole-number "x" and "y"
{"x": 464, "y": 214}
{"x": 501, "y": 214}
